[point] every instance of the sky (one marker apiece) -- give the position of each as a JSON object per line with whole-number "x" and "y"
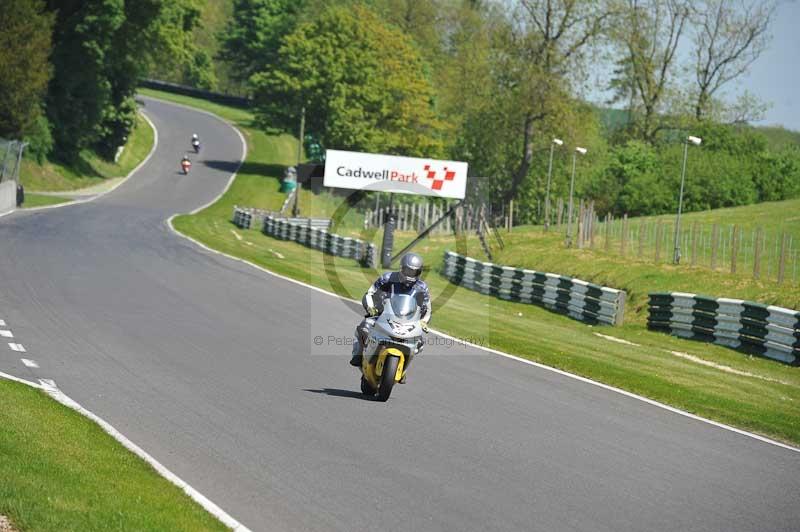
{"x": 775, "y": 77}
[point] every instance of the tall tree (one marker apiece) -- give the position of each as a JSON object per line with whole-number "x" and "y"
{"x": 25, "y": 44}
{"x": 251, "y": 40}
{"x": 362, "y": 83}
{"x": 80, "y": 90}
{"x": 542, "y": 47}
{"x": 649, "y": 33}
{"x": 729, "y": 36}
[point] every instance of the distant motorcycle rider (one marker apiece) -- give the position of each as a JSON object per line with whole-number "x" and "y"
{"x": 196, "y": 142}
{"x": 406, "y": 281}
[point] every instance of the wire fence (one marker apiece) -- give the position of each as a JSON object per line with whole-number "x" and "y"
{"x": 763, "y": 254}
{"x": 10, "y": 159}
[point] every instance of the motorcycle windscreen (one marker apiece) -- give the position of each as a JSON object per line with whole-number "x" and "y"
{"x": 404, "y": 306}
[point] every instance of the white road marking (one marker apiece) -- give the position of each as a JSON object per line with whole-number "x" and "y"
{"x": 16, "y": 347}
{"x": 276, "y": 254}
{"x": 6, "y": 334}
{"x": 506, "y": 355}
{"x": 615, "y": 339}
{"x": 237, "y": 235}
{"x": 30, "y": 363}
{"x": 49, "y": 386}
{"x": 721, "y": 367}
{"x": 17, "y": 379}
{"x": 112, "y": 189}
{"x": 2, "y": 323}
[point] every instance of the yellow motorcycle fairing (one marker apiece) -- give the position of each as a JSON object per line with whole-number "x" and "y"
{"x": 373, "y": 371}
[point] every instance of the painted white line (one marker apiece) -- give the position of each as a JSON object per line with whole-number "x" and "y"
{"x": 487, "y": 349}
{"x": 16, "y": 347}
{"x": 2, "y": 323}
{"x": 615, "y": 339}
{"x": 241, "y": 160}
{"x": 276, "y": 253}
{"x": 30, "y": 363}
{"x": 726, "y": 369}
{"x": 6, "y": 334}
{"x": 507, "y": 355}
{"x": 52, "y": 390}
{"x": 237, "y": 235}
{"x": 17, "y": 379}
{"x": 112, "y": 189}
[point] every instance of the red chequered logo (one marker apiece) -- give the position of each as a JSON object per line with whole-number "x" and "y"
{"x": 449, "y": 175}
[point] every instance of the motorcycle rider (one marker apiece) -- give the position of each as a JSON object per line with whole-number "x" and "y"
{"x": 186, "y": 164}
{"x": 405, "y": 281}
{"x": 195, "y": 142}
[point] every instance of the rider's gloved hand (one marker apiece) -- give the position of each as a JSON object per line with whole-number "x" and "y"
{"x": 372, "y": 311}
{"x": 424, "y": 327}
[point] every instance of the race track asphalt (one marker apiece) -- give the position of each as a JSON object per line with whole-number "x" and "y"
{"x": 209, "y": 365}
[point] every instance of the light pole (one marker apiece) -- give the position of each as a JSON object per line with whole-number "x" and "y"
{"x": 296, "y": 206}
{"x": 676, "y": 258}
{"x": 582, "y": 151}
{"x": 556, "y": 142}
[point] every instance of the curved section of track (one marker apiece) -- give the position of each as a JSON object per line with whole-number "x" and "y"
{"x": 204, "y": 363}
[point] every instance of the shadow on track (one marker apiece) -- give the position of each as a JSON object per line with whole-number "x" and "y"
{"x": 335, "y": 392}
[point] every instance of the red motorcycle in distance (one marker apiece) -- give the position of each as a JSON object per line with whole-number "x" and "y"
{"x": 186, "y": 165}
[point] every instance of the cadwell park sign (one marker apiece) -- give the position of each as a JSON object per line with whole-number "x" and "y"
{"x": 403, "y": 175}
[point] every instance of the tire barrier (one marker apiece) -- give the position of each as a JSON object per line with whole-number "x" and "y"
{"x": 756, "y": 329}
{"x": 583, "y": 301}
{"x": 319, "y": 238}
{"x": 248, "y": 217}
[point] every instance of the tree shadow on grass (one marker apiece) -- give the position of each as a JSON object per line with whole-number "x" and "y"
{"x": 274, "y": 171}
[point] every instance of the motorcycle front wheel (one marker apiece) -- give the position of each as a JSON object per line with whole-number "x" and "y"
{"x": 387, "y": 378}
{"x": 366, "y": 387}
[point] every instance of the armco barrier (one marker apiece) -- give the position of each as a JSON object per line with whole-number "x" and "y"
{"x": 321, "y": 239}
{"x": 768, "y": 331}
{"x": 185, "y": 90}
{"x": 578, "y": 299}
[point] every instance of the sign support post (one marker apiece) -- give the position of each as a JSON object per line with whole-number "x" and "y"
{"x": 388, "y": 235}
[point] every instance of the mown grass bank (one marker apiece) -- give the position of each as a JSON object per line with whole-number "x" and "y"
{"x": 90, "y": 169}
{"x": 41, "y": 200}
{"x": 60, "y": 471}
{"x": 747, "y": 392}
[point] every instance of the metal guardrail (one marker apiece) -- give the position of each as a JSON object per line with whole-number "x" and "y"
{"x": 581, "y": 300}
{"x": 185, "y": 90}
{"x": 763, "y": 330}
{"x": 319, "y": 238}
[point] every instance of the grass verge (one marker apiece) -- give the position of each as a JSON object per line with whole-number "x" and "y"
{"x": 90, "y": 169}
{"x": 61, "y": 471}
{"x": 42, "y": 200}
{"x": 747, "y": 392}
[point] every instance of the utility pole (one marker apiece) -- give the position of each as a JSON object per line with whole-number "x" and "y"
{"x": 676, "y": 257}
{"x": 582, "y": 151}
{"x": 296, "y": 207}
{"x": 553, "y": 144}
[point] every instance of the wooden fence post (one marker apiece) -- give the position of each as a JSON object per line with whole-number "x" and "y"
{"x": 734, "y": 247}
{"x": 714, "y": 245}
{"x": 782, "y": 260}
{"x": 624, "y": 240}
{"x": 659, "y": 235}
{"x": 757, "y": 253}
{"x": 608, "y": 232}
{"x": 510, "y": 215}
{"x": 560, "y": 212}
{"x": 642, "y": 232}
{"x": 694, "y": 244}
